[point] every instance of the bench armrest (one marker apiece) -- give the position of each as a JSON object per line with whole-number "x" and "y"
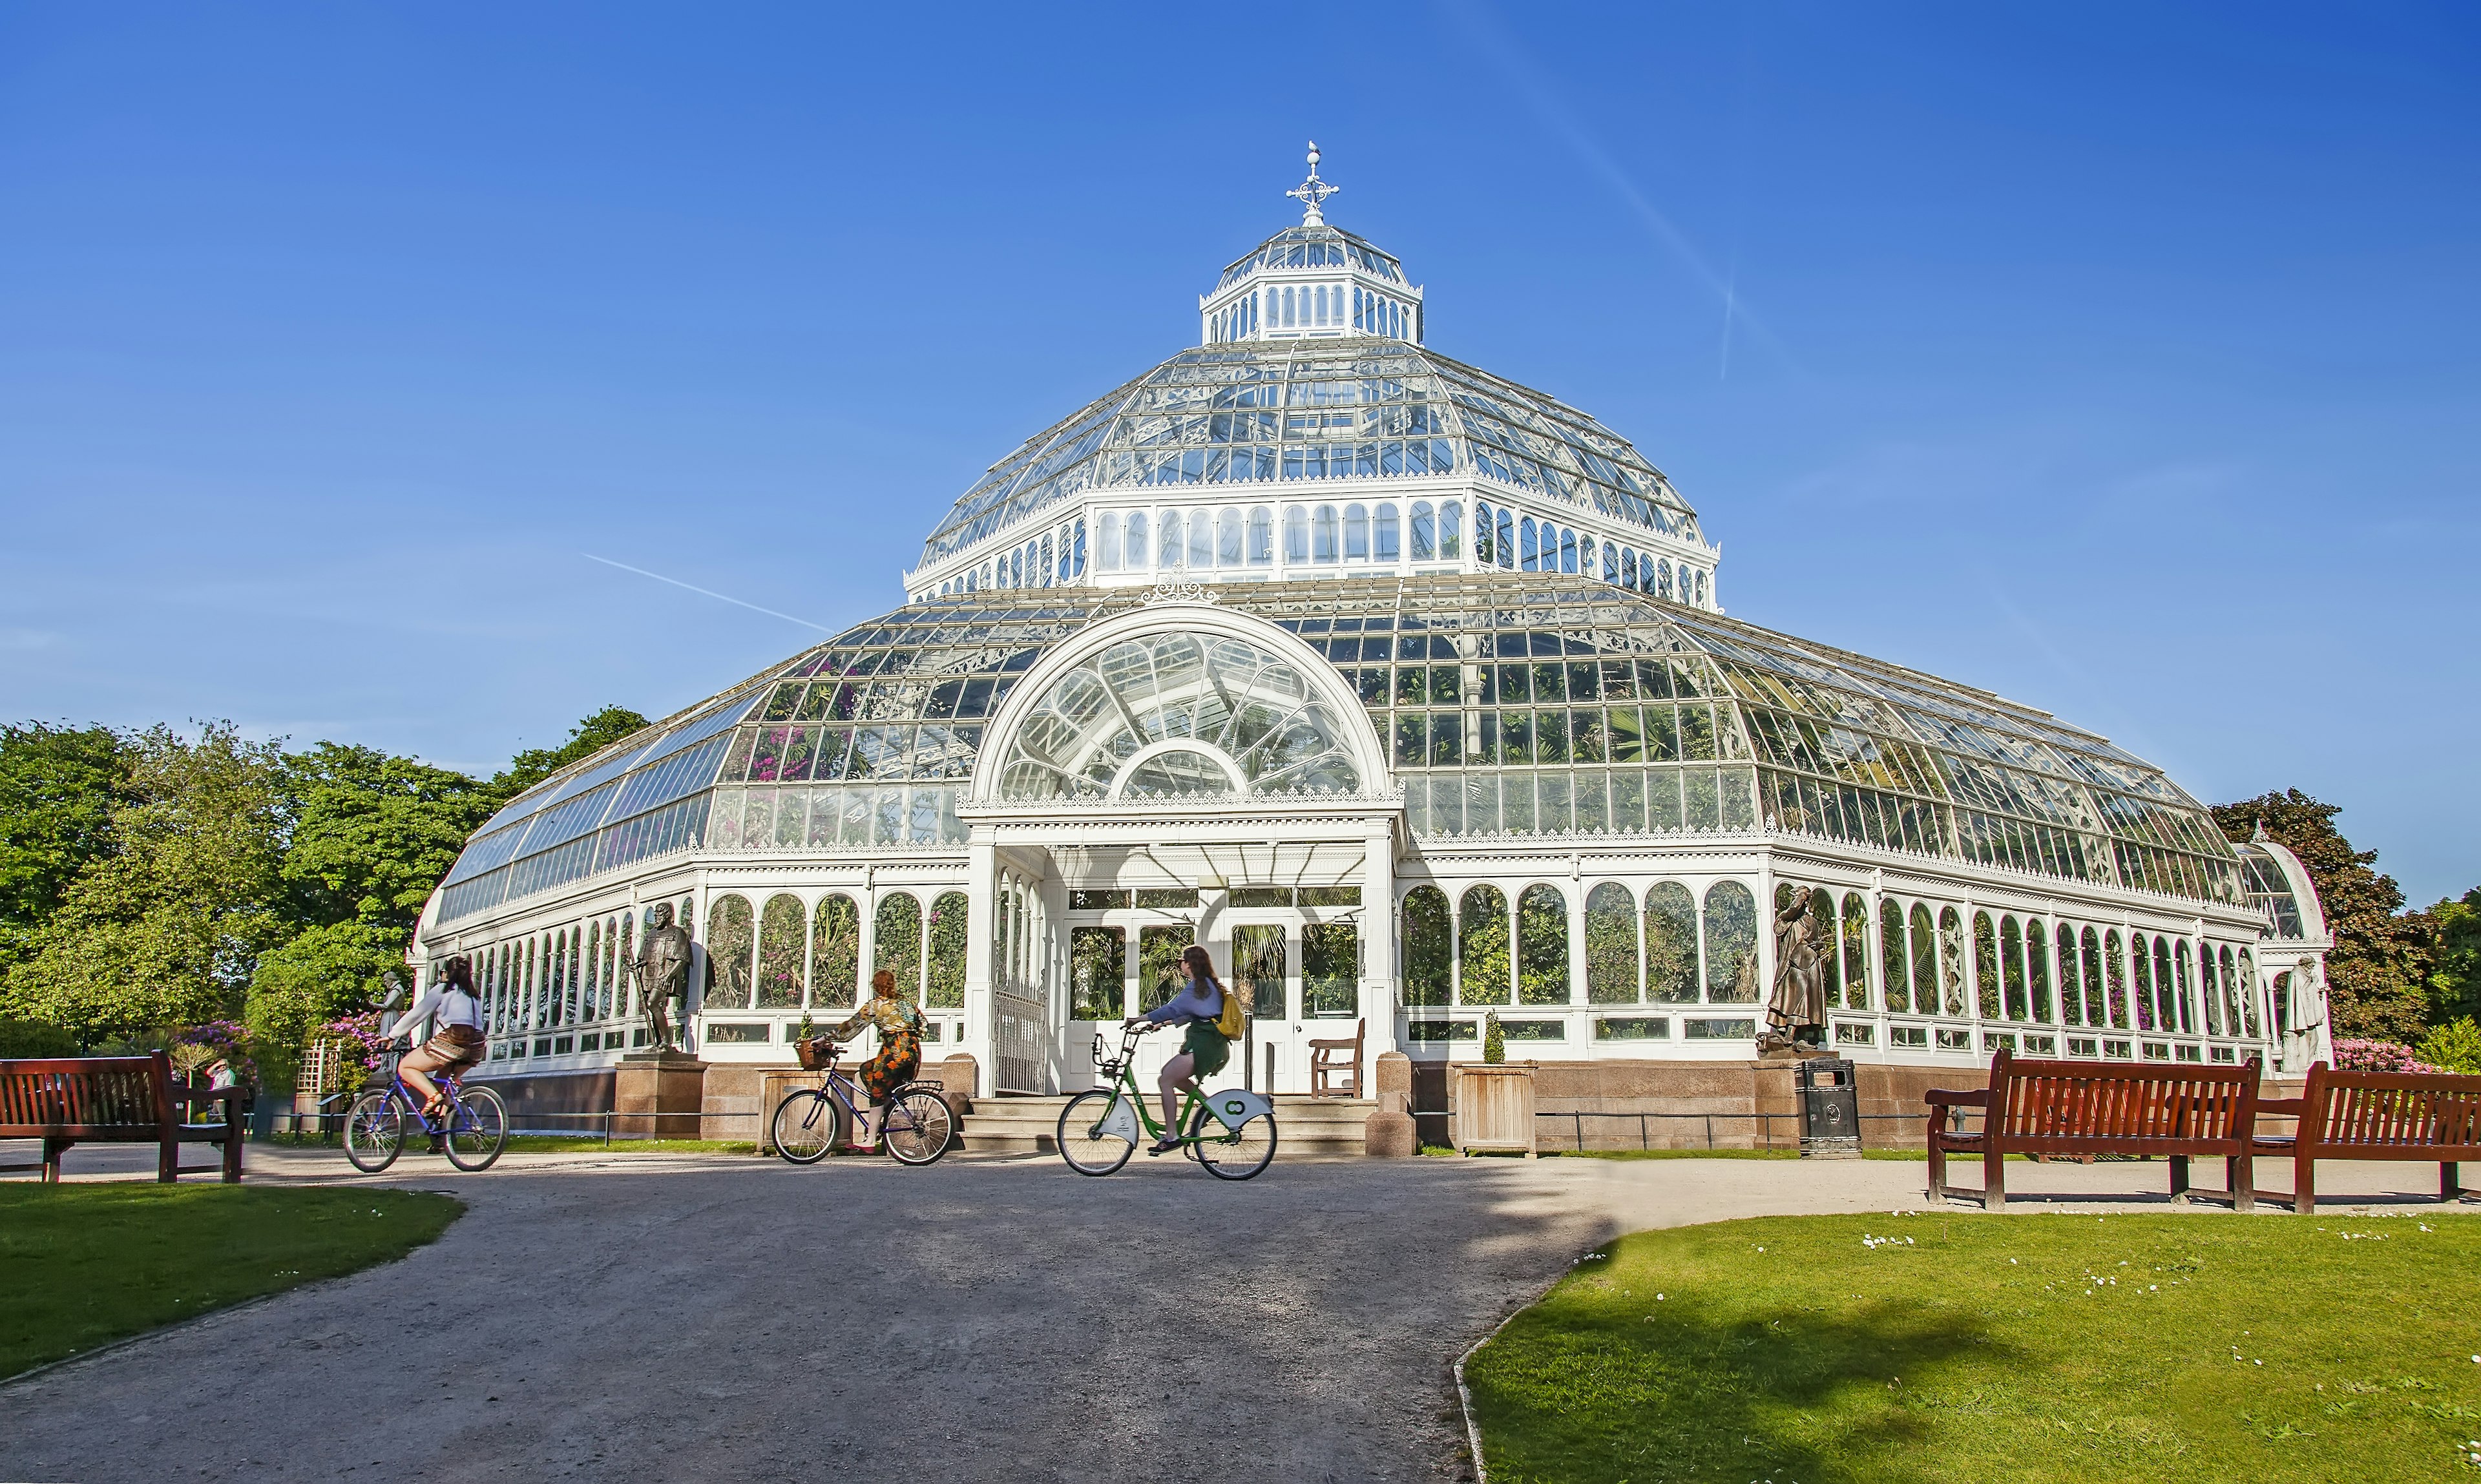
{"x": 1948, "y": 1097}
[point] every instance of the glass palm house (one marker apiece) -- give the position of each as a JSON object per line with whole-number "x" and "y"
{"x": 1409, "y": 691}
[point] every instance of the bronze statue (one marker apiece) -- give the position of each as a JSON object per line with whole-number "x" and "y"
{"x": 663, "y": 972}
{"x": 1798, "y": 1000}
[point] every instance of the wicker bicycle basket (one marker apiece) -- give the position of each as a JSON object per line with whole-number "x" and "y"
{"x": 815, "y": 1053}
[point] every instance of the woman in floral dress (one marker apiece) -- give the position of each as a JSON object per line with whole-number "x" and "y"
{"x": 898, "y": 1025}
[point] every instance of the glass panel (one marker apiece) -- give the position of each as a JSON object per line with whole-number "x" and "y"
{"x": 896, "y": 944}
{"x": 781, "y": 933}
{"x": 1258, "y": 968}
{"x": 1425, "y": 532}
{"x": 1894, "y": 977}
{"x": 1952, "y": 960}
{"x": 1095, "y": 974}
{"x": 1542, "y": 931}
{"x": 1985, "y": 966}
{"x": 948, "y": 917}
{"x": 1610, "y": 945}
{"x": 1159, "y": 976}
{"x": 2011, "y": 956}
{"x": 1483, "y": 947}
{"x": 728, "y": 925}
{"x": 1428, "y": 946}
{"x": 1731, "y": 944}
{"x": 1925, "y": 974}
{"x": 1330, "y": 968}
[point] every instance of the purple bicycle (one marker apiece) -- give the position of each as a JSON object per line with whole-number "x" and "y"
{"x": 472, "y": 1131}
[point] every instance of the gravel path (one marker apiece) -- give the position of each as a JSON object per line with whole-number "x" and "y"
{"x": 706, "y": 1317}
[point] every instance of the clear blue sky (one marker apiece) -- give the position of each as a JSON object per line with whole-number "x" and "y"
{"x": 2120, "y": 359}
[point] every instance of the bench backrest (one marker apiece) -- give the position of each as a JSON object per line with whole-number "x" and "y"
{"x": 2375, "y": 1112}
{"x": 85, "y": 1096}
{"x": 2073, "y": 1106}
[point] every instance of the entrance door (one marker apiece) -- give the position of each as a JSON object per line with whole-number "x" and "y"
{"x": 1303, "y": 980}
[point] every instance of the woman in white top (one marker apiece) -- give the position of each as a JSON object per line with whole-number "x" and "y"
{"x": 456, "y": 1040}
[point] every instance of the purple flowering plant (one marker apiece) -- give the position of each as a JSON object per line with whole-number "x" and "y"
{"x": 2357, "y": 1055}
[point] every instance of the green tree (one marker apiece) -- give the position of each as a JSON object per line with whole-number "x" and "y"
{"x": 58, "y": 789}
{"x": 2378, "y": 974}
{"x": 2455, "y": 974}
{"x": 167, "y": 927}
{"x": 372, "y": 834}
{"x": 611, "y": 724}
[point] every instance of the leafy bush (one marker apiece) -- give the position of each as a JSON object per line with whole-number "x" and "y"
{"x": 2352, "y": 1055}
{"x": 2454, "y": 1047}
{"x": 216, "y": 1040}
{"x": 35, "y": 1038}
{"x": 1494, "y": 1040}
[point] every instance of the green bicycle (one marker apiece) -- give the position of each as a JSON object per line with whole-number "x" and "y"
{"x": 1232, "y": 1133}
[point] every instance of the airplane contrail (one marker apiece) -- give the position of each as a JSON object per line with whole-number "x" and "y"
{"x": 707, "y": 592}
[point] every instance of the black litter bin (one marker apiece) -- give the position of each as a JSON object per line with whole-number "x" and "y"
{"x": 1830, "y": 1107}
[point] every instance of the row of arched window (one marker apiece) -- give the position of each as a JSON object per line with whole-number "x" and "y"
{"x": 1233, "y": 536}
{"x": 1671, "y": 948}
{"x": 1053, "y": 557}
{"x": 1312, "y": 306}
{"x": 791, "y": 955}
{"x": 560, "y": 977}
{"x": 1522, "y": 543}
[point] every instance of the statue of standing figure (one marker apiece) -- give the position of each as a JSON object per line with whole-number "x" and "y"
{"x": 663, "y": 972}
{"x": 1798, "y": 998}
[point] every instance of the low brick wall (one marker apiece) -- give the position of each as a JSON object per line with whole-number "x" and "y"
{"x": 1695, "y": 1104}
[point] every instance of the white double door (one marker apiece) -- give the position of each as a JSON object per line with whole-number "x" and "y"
{"x": 1297, "y": 973}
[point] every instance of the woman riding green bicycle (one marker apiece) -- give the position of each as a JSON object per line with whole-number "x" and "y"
{"x": 1203, "y": 1049}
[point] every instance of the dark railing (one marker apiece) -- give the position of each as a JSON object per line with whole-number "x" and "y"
{"x": 1577, "y": 1117}
{"x": 329, "y": 1117}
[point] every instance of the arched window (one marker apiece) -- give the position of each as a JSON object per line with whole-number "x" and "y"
{"x": 1077, "y": 567}
{"x": 2037, "y": 970}
{"x": 1952, "y": 962}
{"x": 1660, "y": 583}
{"x": 1924, "y": 952}
{"x": 1610, "y": 945}
{"x": 1482, "y": 968}
{"x": 1856, "y": 953}
{"x": 1296, "y": 533}
{"x": 1567, "y": 550}
{"x": 780, "y": 951}
{"x": 2072, "y": 1000}
{"x": 2211, "y": 991}
{"x": 1731, "y": 944}
{"x": 948, "y": 917}
{"x": 728, "y": 935}
{"x": 1611, "y": 562}
{"x": 1227, "y": 538}
{"x": 1201, "y": 541}
{"x": 1428, "y": 946}
{"x": 1167, "y": 546}
{"x": 1895, "y": 977}
{"x": 2011, "y": 961}
{"x": 2180, "y": 958}
{"x": 1137, "y": 551}
{"x": 835, "y": 951}
{"x": 1485, "y": 543}
{"x": 1528, "y": 546}
{"x": 1985, "y": 965}
{"x": 620, "y": 996}
{"x": 1542, "y": 933}
{"x": 1585, "y": 554}
{"x": 1323, "y": 534}
{"x": 1356, "y": 533}
{"x": 1043, "y": 562}
{"x": 896, "y": 942}
{"x": 1701, "y": 589}
{"x": 1627, "y": 569}
{"x": 1670, "y": 943}
{"x": 1425, "y": 531}
{"x": 1387, "y": 542}
{"x": 1262, "y": 536}
{"x": 2114, "y": 971}
{"x": 1451, "y": 520}
{"x": 1507, "y": 540}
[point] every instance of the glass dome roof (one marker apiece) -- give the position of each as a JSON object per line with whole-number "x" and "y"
{"x": 1272, "y": 412}
{"x": 1314, "y": 246}
{"x": 1509, "y": 703}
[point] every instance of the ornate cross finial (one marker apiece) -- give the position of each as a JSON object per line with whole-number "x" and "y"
{"x": 1313, "y": 191}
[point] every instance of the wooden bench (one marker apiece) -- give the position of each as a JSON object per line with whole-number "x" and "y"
{"x": 2377, "y": 1115}
{"x": 2085, "y": 1109}
{"x": 117, "y": 1100}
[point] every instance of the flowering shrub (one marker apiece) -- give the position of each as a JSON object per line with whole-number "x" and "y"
{"x": 211, "y": 1040}
{"x": 361, "y": 1040}
{"x": 2377, "y": 1056}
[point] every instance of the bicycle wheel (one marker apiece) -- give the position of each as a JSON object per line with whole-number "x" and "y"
{"x": 1232, "y": 1154}
{"x": 808, "y": 1123}
{"x": 478, "y": 1128}
{"x": 375, "y": 1131}
{"x": 916, "y": 1126}
{"x": 1084, "y": 1143}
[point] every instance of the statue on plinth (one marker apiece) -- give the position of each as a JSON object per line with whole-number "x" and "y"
{"x": 1798, "y": 999}
{"x": 661, "y": 969}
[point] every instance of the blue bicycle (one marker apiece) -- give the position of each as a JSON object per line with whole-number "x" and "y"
{"x": 470, "y": 1131}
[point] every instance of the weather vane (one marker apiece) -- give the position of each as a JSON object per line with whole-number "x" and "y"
{"x": 1313, "y": 191}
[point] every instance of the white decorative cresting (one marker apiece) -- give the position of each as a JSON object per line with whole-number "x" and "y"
{"x": 1313, "y": 192}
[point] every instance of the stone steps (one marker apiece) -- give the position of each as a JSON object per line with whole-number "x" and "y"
{"x": 1306, "y": 1128}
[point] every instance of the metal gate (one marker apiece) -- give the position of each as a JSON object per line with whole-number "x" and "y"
{"x": 1021, "y": 1044}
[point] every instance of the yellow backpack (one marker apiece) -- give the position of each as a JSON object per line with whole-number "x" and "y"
{"x": 1228, "y": 1025}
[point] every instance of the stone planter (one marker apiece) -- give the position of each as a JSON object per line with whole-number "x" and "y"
{"x": 1490, "y": 1106}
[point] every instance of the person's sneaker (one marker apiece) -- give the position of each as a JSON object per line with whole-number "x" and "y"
{"x": 439, "y": 1144}
{"x": 1162, "y": 1146}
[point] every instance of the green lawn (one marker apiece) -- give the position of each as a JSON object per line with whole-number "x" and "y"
{"x": 1968, "y": 1347}
{"x": 83, "y": 1265}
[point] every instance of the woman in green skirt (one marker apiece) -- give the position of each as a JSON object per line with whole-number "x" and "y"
{"x": 1203, "y": 1050}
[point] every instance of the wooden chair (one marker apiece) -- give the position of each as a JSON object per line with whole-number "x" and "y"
{"x": 2377, "y": 1115}
{"x": 117, "y": 1100}
{"x": 2084, "y": 1108}
{"x": 1336, "y": 1060}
